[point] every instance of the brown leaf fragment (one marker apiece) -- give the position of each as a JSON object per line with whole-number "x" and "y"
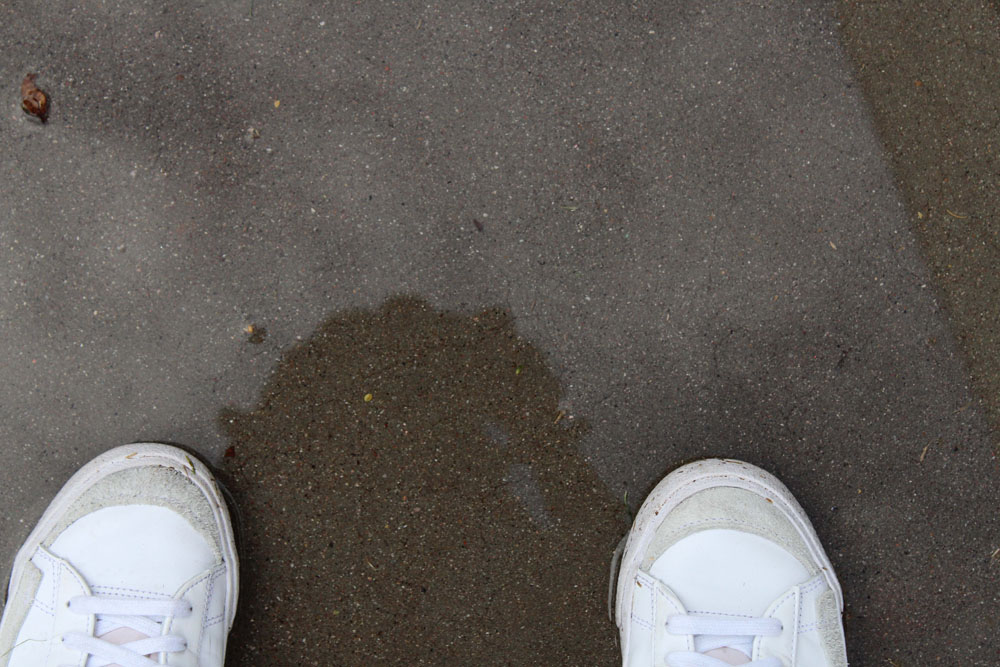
{"x": 33, "y": 100}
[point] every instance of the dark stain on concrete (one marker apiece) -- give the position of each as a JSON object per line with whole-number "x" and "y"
{"x": 412, "y": 493}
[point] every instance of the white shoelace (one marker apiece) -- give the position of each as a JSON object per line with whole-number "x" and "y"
{"x": 143, "y": 616}
{"x": 714, "y": 633}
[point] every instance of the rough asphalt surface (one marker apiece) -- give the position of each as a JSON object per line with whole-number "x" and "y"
{"x": 560, "y": 248}
{"x": 929, "y": 70}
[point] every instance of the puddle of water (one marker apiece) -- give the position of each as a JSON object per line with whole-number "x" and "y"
{"x": 412, "y": 494}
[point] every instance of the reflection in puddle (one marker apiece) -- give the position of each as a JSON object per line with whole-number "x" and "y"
{"x": 413, "y": 495}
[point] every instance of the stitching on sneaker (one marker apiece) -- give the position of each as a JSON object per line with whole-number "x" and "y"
{"x": 131, "y": 592}
{"x": 47, "y": 608}
{"x": 645, "y": 581}
{"x": 666, "y": 598}
{"x": 719, "y": 613}
{"x": 209, "y": 592}
{"x": 783, "y": 599}
{"x": 798, "y": 617}
{"x": 57, "y": 574}
{"x": 810, "y": 586}
{"x": 211, "y": 577}
{"x": 817, "y": 583}
{"x": 209, "y": 587}
{"x": 53, "y": 566}
{"x": 818, "y": 625}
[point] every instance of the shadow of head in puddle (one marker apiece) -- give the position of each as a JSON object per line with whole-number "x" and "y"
{"x": 412, "y": 493}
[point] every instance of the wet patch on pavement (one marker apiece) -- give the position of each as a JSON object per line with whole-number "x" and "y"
{"x": 413, "y": 492}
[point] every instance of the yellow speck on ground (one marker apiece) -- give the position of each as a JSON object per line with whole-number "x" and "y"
{"x": 368, "y": 398}
{"x": 277, "y": 103}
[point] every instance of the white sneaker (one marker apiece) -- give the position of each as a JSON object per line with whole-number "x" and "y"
{"x": 722, "y": 567}
{"x": 133, "y": 564}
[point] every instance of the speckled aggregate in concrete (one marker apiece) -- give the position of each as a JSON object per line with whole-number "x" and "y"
{"x": 683, "y": 206}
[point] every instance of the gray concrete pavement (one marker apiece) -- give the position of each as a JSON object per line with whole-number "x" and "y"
{"x": 683, "y": 206}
